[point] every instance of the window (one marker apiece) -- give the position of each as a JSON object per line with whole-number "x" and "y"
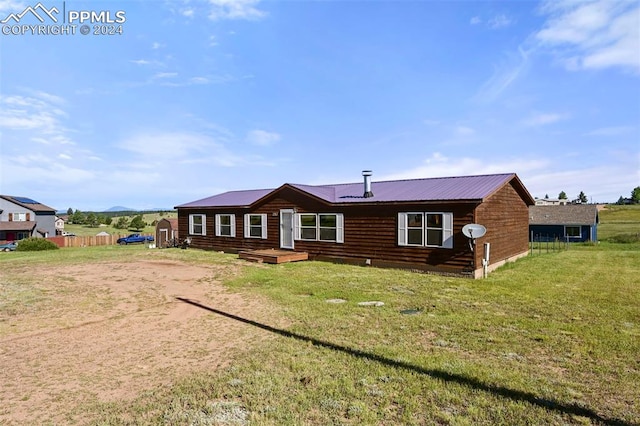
{"x": 320, "y": 227}
{"x": 434, "y": 229}
{"x": 255, "y": 226}
{"x": 225, "y": 225}
{"x": 308, "y": 227}
{"x": 573, "y": 231}
{"x": 19, "y": 217}
{"x": 425, "y": 229}
{"x": 197, "y": 224}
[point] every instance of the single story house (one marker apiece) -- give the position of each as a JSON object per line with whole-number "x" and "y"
{"x": 414, "y": 224}
{"x": 551, "y": 202}
{"x": 571, "y": 222}
{"x": 22, "y": 217}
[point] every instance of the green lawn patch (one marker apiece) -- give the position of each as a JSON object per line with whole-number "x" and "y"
{"x": 550, "y": 339}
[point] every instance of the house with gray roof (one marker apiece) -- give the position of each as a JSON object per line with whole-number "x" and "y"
{"x": 414, "y": 223}
{"x": 571, "y": 223}
{"x": 22, "y": 217}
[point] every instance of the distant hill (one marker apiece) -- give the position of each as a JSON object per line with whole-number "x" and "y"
{"x": 119, "y": 209}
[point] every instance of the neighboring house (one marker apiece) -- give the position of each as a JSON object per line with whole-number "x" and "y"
{"x": 414, "y": 224}
{"x": 59, "y": 225}
{"x": 551, "y": 202}
{"x": 22, "y": 217}
{"x": 166, "y": 230}
{"x": 571, "y": 222}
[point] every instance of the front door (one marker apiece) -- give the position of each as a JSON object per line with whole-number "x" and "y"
{"x": 286, "y": 229}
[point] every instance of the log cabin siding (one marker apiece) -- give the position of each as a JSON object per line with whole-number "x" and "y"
{"x": 370, "y": 228}
{"x": 370, "y": 232}
{"x": 506, "y": 217}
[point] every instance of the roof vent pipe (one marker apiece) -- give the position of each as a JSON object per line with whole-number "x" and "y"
{"x": 367, "y": 183}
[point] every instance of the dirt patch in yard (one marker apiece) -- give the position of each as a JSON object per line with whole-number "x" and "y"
{"x": 108, "y": 331}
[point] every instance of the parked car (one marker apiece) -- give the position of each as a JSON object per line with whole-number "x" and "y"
{"x": 8, "y": 246}
{"x": 134, "y": 238}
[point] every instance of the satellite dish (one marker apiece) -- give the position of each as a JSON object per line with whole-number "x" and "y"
{"x": 473, "y": 230}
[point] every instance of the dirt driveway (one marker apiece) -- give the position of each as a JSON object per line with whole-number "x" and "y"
{"x": 108, "y": 331}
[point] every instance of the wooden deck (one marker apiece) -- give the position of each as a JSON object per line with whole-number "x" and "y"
{"x": 273, "y": 256}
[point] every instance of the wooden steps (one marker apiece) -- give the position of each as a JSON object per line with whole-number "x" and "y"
{"x": 273, "y": 256}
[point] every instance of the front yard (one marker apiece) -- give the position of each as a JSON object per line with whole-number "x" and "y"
{"x": 189, "y": 337}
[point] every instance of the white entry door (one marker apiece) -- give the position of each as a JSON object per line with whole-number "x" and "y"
{"x": 286, "y": 229}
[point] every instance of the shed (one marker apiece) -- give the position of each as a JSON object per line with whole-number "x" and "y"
{"x": 414, "y": 224}
{"x": 571, "y": 223}
{"x": 167, "y": 232}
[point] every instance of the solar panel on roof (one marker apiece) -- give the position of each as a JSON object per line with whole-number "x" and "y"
{"x": 25, "y": 200}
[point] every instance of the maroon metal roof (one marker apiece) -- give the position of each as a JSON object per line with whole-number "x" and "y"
{"x": 231, "y": 198}
{"x": 461, "y": 188}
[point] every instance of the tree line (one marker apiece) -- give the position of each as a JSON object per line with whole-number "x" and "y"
{"x": 582, "y": 198}
{"x": 94, "y": 220}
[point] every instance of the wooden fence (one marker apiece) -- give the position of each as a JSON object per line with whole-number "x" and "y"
{"x": 88, "y": 241}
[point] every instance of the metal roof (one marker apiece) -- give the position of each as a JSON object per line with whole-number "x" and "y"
{"x": 231, "y": 198}
{"x": 570, "y": 214}
{"x": 460, "y": 188}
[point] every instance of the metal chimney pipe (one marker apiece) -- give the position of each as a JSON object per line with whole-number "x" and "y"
{"x": 367, "y": 183}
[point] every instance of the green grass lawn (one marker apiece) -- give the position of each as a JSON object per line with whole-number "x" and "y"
{"x": 550, "y": 339}
{"x": 619, "y": 220}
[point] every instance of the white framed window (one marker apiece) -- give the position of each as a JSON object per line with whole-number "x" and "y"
{"x": 320, "y": 227}
{"x": 425, "y": 229}
{"x": 255, "y": 226}
{"x": 19, "y": 217}
{"x": 573, "y": 231}
{"x": 197, "y": 224}
{"x": 225, "y": 225}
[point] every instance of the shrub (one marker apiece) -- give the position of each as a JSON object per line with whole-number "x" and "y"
{"x": 35, "y": 244}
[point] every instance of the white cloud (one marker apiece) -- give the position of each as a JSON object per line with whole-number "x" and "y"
{"x": 542, "y": 119}
{"x": 235, "y": 9}
{"x": 43, "y": 169}
{"x": 165, "y": 75}
{"x": 262, "y": 137}
{"x": 464, "y": 131}
{"x": 198, "y": 80}
{"x": 140, "y": 62}
{"x": 37, "y": 114}
{"x": 475, "y": 20}
{"x": 540, "y": 176}
{"x": 610, "y": 131}
{"x": 499, "y": 21}
{"x": 156, "y": 45}
{"x": 439, "y": 165}
{"x": 12, "y": 6}
{"x": 593, "y": 34}
{"x": 504, "y": 76}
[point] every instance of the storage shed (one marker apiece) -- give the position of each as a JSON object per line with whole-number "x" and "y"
{"x": 415, "y": 224}
{"x": 166, "y": 232}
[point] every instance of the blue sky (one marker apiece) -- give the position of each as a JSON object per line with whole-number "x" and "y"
{"x": 200, "y": 97}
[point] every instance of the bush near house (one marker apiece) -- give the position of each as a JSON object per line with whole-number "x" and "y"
{"x": 36, "y": 244}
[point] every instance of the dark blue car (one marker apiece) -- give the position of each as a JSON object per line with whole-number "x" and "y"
{"x": 134, "y": 238}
